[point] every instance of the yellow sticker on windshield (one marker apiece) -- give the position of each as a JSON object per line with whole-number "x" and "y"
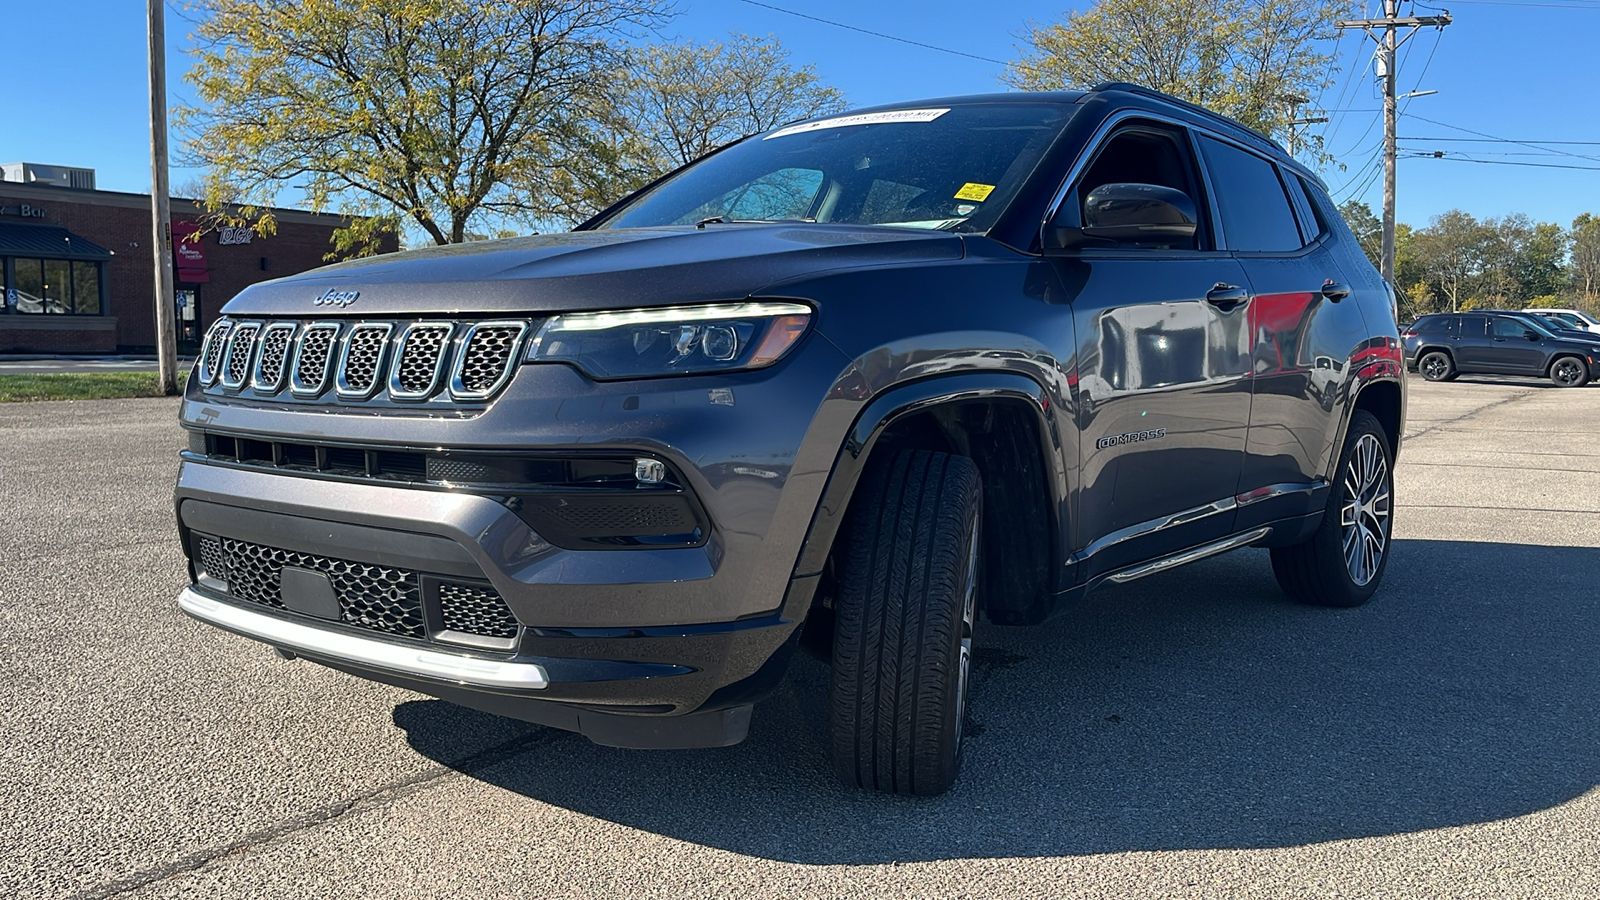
{"x": 972, "y": 191}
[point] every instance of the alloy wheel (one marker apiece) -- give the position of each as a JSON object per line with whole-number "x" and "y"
{"x": 1364, "y": 517}
{"x": 1433, "y": 368}
{"x": 1567, "y": 372}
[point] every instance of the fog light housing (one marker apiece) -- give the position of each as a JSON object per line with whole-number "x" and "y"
{"x": 649, "y": 471}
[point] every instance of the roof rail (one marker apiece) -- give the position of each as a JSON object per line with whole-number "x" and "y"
{"x": 1131, "y": 88}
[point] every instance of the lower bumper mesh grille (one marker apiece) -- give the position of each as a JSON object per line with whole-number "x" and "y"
{"x": 378, "y": 598}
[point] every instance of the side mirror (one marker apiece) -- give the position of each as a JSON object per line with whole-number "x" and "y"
{"x": 1531, "y": 335}
{"x": 1122, "y": 213}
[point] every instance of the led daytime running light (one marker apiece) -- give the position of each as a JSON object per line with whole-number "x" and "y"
{"x": 600, "y": 321}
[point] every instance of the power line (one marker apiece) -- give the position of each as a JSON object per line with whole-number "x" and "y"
{"x": 1504, "y": 162}
{"x": 1482, "y": 134}
{"x": 1522, "y": 3}
{"x": 1525, "y": 142}
{"x": 879, "y": 34}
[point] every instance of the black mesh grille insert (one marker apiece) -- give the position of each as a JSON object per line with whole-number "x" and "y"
{"x": 213, "y": 357}
{"x": 311, "y": 369}
{"x": 211, "y": 559}
{"x": 363, "y": 355}
{"x": 380, "y": 598}
{"x": 418, "y": 368}
{"x": 274, "y": 349}
{"x": 475, "y": 610}
{"x": 486, "y": 356}
{"x": 240, "y": 343}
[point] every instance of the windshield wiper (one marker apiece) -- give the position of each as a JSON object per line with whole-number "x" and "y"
{"x": 724, "y": 220}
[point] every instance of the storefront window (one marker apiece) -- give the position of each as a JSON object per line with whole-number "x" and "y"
{"x": 86, "y": 288}
{"x": 53, "y": 287}
{"x": 57, "y": 286}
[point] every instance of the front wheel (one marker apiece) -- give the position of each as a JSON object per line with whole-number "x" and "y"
{"x": 1342, "y": 563}
{"x": 1569, "y": 371}
{"x": 903, "y": 621}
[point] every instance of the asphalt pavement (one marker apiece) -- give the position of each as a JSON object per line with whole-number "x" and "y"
{"x": 1192, "y": 734}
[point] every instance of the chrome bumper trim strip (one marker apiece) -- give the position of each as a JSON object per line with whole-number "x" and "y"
{"x": 424, "y": 663}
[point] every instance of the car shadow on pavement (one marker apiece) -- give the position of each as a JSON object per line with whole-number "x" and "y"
{"x": 1194, "y": 709}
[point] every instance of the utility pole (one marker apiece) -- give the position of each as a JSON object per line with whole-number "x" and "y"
{"x": 1296, "y": 101}
{"x": 1383, "y": 31}
{"x": 160, "y": 202}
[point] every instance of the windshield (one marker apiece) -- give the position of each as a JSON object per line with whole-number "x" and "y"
{"x": 952, "y": 167}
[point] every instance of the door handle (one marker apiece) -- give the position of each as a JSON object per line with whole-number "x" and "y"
{"x": 1227, "y": 296}
{"x": 1335, "y": 291}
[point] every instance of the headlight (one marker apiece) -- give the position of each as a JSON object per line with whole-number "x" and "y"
{"x": 680, "y": 340}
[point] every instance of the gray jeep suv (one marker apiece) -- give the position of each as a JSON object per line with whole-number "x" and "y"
{"x": 852, "y": 386}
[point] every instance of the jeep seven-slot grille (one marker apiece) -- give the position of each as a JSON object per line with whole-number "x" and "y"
{"x": 363, "y": 361}
{"x": 386, "y": 599}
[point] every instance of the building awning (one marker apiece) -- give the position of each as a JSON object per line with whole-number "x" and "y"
{"x": 48, "y": 241}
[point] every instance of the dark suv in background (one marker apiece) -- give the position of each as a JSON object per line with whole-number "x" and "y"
{"x": 1444, "y": 345}
{"x": 850, "y": 385}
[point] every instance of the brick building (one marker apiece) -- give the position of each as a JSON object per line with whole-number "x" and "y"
{"x": 76, "y": 268}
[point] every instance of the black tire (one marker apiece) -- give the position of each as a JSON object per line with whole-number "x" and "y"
{"x": 1318, "y": 570}
{"x": 903, "y": 617}
{"x": 1436, "y": 365}
{"x": 1569, "y": 371}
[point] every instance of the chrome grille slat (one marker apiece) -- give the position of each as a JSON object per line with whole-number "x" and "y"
{"x": 211, "y": 359}
{"x": 361, "y": 360}
{"x": 312, "y": 355}
{"x": 241, "y": 347}
{"x": 488, "y": 353}
{"x": 419, "y": 364}
{"x": 269, "y": 369}
{"x": 410, "y": 361}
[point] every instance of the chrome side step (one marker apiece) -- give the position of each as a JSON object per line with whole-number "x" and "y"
{"x": 1189, "y": 556}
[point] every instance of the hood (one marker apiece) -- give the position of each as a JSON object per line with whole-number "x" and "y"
{"x": 587, "y": 270}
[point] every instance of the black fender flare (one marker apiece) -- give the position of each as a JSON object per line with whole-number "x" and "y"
{"x": 901, "y": 400}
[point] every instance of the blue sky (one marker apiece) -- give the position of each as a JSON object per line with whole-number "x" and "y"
{"x": 1504, "y": 68}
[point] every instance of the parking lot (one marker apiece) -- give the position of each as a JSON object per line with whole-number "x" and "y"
{"x": 1189, "y": 734}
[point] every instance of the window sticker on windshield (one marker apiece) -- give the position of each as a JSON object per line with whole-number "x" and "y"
{"x": 974, "y": 191}
{"x": 877, "y": 118}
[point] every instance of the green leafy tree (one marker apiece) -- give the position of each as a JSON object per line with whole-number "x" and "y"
{"x": 431, "y": 112}
{"x": 679, "y": 102}
{"x": 1584, "y": 264}
{"x": 1451, "y": 250}
{"x": 1243, "y": 58}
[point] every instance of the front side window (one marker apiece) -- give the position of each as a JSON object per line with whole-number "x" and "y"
{"x": 1510, "y": 328}
{"x": 1255, "y": 210}
{"x": 1143, "y": 155}
{"x": 952, "y": 168}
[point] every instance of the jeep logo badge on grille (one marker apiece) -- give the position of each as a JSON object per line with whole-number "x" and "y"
{"x": 340, "y": 299}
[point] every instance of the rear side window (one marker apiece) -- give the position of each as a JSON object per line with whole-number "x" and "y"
{"x": 1255, "y": 210}
{"x": 1317, "y": 201}
{"x": 1435, "y": 325}
{"x": 1474, "y": 326}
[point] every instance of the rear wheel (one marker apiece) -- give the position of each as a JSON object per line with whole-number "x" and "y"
{"x": 1569, "y": 371}
{"x": 903, "y": 622}
{"x": 1436, "y": 365}
{"x": 1342, "y": 563}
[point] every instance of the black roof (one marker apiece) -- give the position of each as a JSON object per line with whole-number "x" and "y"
{"x": 49, "y": 241}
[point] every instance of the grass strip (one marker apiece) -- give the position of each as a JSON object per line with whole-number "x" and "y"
{"x": 78, "y": 386}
